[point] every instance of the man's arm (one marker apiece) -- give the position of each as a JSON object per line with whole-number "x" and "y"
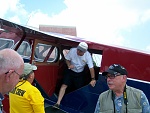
{"x": 97, "y": 109}
{"x": 92, "y": 73}
{"x": 145, "y": 104}
{"x": 93, "y": 81}
{"x": 69, "y": 64}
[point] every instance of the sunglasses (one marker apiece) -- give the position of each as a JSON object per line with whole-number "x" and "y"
{"x": 111, "y": 76}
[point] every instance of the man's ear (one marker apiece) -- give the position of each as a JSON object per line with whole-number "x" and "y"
{"x": 8, "y": 75}
{"x": 31, "y": 76}
{"x": 125, "y": 77}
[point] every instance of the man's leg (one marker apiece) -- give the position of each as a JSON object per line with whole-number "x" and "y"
{"x": 61, "y": 93}
{"x": 79, "y": 80}
{"x": 66, "y": 82}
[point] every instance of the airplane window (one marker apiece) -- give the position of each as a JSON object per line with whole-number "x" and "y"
{"x": 97, "y": 59}
{"x": 65, "y": 52}
{"x": 6, "y": 43}
{"x": 24, "y": 49}
{"x": 43, "y": 50}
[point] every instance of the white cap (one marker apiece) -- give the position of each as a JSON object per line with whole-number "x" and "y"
{"x": 82, "y": 46}
{"x": 28, "y": 68}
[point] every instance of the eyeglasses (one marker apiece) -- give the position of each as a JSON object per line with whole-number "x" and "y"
{"x": 111, "y": 76}
{"x": 20, "y": 76}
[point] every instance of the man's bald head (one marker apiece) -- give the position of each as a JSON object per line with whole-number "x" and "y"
{"x": 11, "y": 67}
{"x": 10, "y": 59}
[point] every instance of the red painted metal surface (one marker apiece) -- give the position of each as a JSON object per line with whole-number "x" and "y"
{"x": 136, "y": 63}
{"x": 46, "y": 75}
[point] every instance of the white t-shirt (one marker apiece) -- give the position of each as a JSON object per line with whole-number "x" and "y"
{"x": 79, "y": 61}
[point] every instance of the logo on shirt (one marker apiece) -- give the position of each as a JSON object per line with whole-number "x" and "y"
{"x": 18, "y": 91}
{"x": 84, "y": 61}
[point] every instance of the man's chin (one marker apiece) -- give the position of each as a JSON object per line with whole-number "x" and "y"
{"x": 110, "y": 87}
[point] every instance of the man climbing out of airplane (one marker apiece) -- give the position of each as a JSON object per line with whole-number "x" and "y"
{"x": 76, "y": 60}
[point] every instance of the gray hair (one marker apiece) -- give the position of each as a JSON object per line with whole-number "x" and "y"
{"x": 9, "y": 59}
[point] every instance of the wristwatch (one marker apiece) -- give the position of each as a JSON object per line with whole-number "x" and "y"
{"x": 92, "y": 78}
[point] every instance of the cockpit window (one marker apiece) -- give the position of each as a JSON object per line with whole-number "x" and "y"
{"x": 97, "y": 59}
{"x": 6, "y": 43}
{"x": 24, "y": 49}
{"x": 44, "y": 52}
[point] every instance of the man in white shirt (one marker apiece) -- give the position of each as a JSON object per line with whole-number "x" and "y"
{"x": 76, "y": 60}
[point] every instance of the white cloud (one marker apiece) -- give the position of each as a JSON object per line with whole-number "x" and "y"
{"x": 4, "y": 7}
{"x": 15, "y": 19}
{"x": 96, "y": 20}
{"x": 148, "y": 48}
{"x": 14, "y": 8}
{"x": 8, "y": 5}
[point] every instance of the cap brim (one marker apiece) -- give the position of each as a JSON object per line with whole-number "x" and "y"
{"x": 34, "y": 67}
{"x": 108, "y": 71}
{"x": 82, "y": 49}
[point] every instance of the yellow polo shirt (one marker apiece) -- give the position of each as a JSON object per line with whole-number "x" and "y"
{"x": 26, "y": 98}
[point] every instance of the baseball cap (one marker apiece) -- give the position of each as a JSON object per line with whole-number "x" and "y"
{"x": 28, "y": 68}
{"x": 115, "y": 69}
{"x": 82, "y": 46}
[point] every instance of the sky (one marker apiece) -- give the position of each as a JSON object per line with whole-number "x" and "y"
{"x": 116, "y": 22}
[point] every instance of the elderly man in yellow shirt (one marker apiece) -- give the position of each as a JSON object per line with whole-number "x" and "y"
{"x": 25, "y": 98}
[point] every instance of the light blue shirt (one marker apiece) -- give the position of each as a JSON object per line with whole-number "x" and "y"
{"x": 1, "y": 98}
{"x": 119, "y": 101}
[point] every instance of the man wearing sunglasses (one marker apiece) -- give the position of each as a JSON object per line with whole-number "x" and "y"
{"x": 11, "y": 68}
{"x": 121, "y": 98}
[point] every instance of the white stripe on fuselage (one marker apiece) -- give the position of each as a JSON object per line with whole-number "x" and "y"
{"x": 138, "y": 80}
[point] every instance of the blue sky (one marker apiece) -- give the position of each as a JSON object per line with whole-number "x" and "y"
{"x": 46, "y": 6}
{"x": 116, "y": 22}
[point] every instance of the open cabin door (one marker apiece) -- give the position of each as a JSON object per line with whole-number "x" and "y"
{"x": 45, "y": 56}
